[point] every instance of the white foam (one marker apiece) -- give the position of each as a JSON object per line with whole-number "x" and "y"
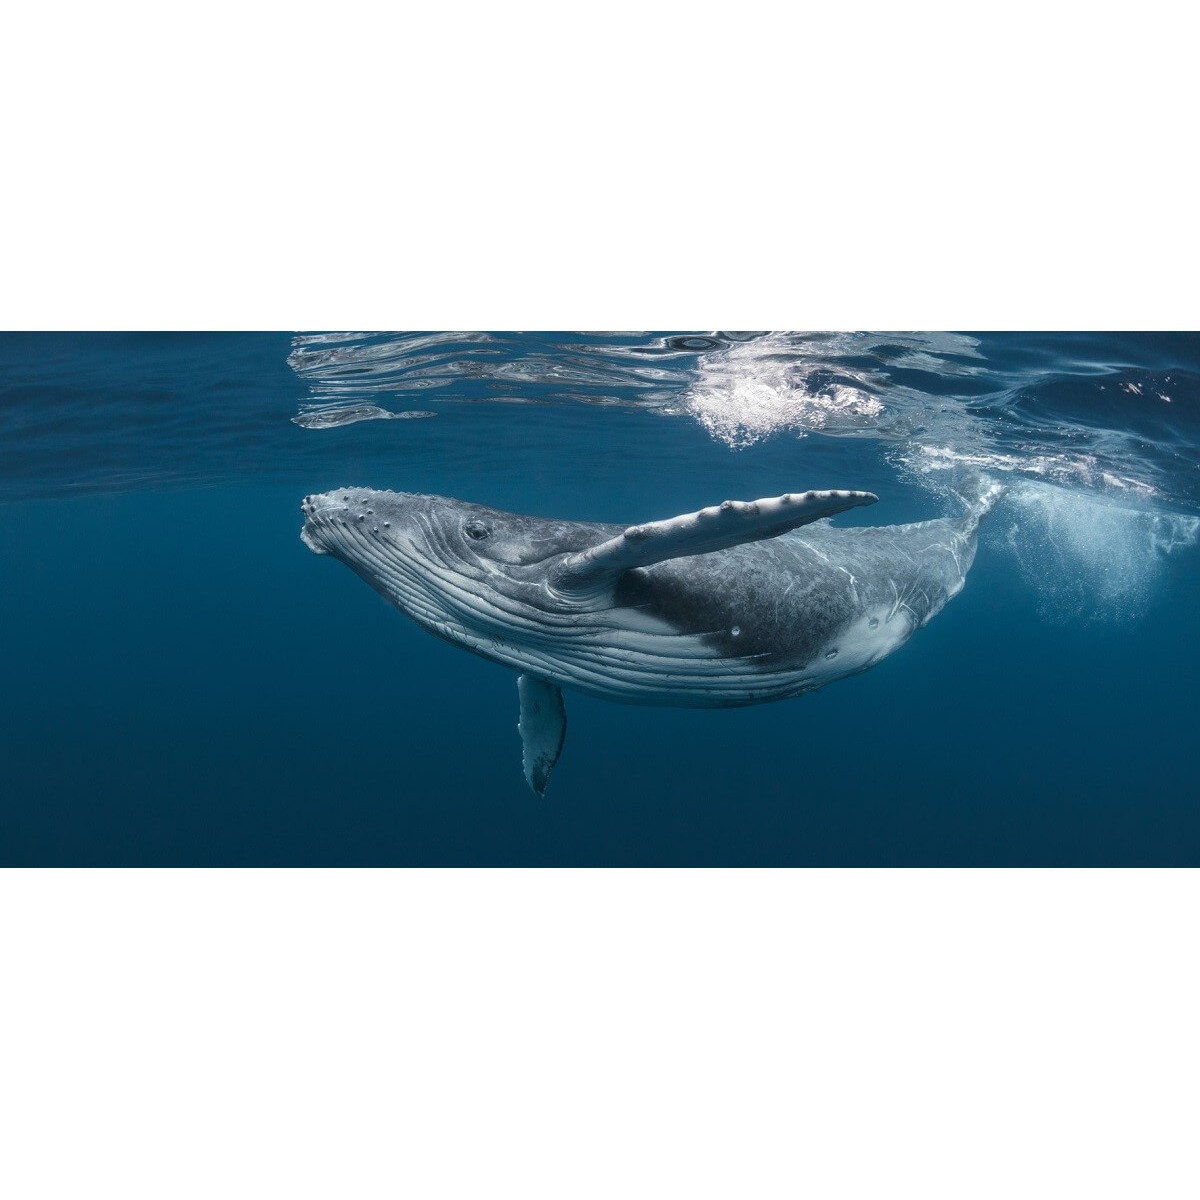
{"x": 754, "y": 389}
{"x": 1085, "y": 469}
{"x": 1088, "y": 556}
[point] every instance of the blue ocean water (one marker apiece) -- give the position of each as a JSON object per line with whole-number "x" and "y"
{"x": 185, "y": 683}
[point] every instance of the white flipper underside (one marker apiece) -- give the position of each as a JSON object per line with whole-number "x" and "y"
{"x": 728, "y": 524}
{"x": 543, "y": 727}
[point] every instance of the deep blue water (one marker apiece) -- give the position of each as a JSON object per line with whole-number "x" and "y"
{"x": 184, "y": 683}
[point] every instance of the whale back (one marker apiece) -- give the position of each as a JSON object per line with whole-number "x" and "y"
{"x": 782, "y": 603}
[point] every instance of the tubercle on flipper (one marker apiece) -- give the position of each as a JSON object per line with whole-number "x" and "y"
{"x": 717, "y": 527}
{"x": 781, "y": 507}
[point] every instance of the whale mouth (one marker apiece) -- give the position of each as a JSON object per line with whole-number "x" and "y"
{"x": 307, "y": 538}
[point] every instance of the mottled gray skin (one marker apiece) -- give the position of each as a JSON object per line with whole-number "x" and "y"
{"x": 755, "y": 622}
{"x": 791, "y": 598}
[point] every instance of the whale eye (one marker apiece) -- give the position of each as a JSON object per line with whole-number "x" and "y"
{"x": 476, "y": 530}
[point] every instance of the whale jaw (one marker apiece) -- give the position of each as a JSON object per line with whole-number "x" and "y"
{"x": 307, "y": 538}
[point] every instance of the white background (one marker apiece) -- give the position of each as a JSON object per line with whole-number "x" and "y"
{"x": 598, "y": 1033}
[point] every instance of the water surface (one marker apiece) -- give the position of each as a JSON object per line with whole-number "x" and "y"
{"x": 186, "y": 683}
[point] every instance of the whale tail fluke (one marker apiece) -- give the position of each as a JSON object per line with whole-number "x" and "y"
{"x": 980, "y": 499}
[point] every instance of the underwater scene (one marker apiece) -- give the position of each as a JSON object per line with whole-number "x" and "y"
{"x": 599, "y": 599}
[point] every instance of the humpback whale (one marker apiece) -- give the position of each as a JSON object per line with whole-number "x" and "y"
{"x": 739, "y": 603}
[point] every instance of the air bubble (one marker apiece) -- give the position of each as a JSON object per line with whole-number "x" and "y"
{"x": 1089, "y": 557}
{"x": 736, "y": 631}
{"x": 831, "y": 654}
{"x": 873, "y": 623}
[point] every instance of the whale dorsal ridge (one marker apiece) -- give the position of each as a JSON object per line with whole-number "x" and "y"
{"x": 716, "y": 528}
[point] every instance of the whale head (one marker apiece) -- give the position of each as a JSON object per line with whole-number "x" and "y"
{"x": 461, "y": 569}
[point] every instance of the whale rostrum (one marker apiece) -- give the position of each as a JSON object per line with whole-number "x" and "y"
{"x": 739, "y": 603}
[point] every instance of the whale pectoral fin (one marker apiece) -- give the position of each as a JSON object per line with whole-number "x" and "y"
{"x": 543, "y": 727}
{"x": 715, "y": 528}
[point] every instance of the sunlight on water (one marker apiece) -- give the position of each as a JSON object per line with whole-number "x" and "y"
{"x": 1082, "y": 470}
{"x": 327, "y": 418}
{"x": 939, "y": 400}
